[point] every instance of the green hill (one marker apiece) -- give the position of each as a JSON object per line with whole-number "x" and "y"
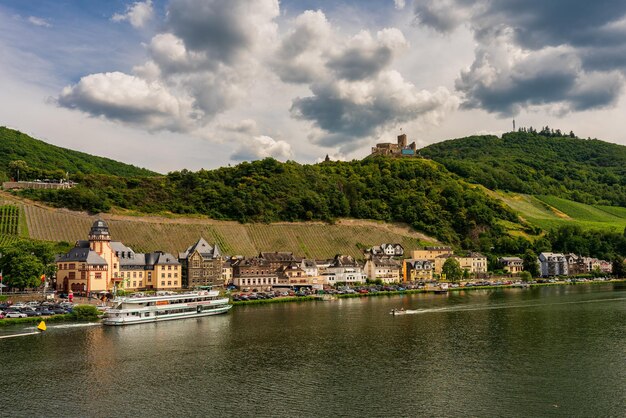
{"x": 417, "y": 192}
{"x": 586, "y": 171}
{"x": 45, "y": 160}
{"x": 549, "y": 212}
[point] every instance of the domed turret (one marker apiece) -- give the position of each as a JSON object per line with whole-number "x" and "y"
{"x": 99, "y": 231}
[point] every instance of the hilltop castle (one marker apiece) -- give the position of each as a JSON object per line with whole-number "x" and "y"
{"x": 401, "y": 149}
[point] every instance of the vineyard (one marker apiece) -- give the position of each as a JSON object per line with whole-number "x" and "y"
{"x": 9, "y": 220}
{"x": 145, "y": 234}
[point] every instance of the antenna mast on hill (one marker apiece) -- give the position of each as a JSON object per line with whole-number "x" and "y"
{"x": 513, "y": 125}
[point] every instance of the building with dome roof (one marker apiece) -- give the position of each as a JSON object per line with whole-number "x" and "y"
{"x": 100, "y": 264}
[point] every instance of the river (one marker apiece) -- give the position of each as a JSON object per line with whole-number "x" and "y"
{"x": 548, "y": 351}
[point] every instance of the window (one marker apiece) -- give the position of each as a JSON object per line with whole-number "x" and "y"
{"x": 169, "y": 283}
{"x": 175, "y": 282}
{"x": 72, "y": 266}
{"x": 175, "y": 275}
{"x": 196, "y": 264}
{"x": 162, "y": 283}
{"x": 134, "y": 274}
{"x": 134, "y": 283}
{"x": 72, "y": 275}
{"x": 140, "y": 283}
{"x": 162, "y": 275}
{"x": 169, "y": 275}
{"x": 114, "y": 265}
{"x": 98, "y": 275}
{"x": 169, "y": 267}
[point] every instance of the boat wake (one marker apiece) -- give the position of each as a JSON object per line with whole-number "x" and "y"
{"x": 492, "y": 307}
{"x": 80, "y": 325}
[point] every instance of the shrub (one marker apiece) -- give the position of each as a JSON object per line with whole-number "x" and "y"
{"x": 85, "y": 312}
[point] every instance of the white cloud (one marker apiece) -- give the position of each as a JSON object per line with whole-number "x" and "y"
{"x": 129, "y": 99}
{"x": 38, "y": 21}
{"x": 505, "y": 78}
{"x": 260, "y": 147}
{"x": 399, "y": 4}
{"x": 138, "y": 14}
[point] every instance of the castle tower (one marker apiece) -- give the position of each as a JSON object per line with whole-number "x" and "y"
{"x": 402, "y": 141}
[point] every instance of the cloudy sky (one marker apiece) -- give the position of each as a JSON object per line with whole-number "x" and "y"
{"x": 205, "y": 83}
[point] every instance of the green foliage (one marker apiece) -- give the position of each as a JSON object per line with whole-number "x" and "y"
{"x": 85, "y": 312}
{"x": 587, "y": 171}
{"x": 619, "y": 267}
{"x": 37, "y": 159}
{"x": 452, "y": 269}
{"x": 418, "y": 192}
{"x": 525, "y": 276}
{"x": 605, "y": 245}
{"x": 530, "y": 263}
{"x": 23, "y": 262}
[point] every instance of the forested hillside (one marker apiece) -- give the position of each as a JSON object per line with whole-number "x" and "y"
{"x": 587, "y": 171}
{"x": 418, "y": 192}
{"x": 45, "y": 160}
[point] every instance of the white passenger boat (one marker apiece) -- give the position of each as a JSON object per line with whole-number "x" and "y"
{"x": 137, "y": 310}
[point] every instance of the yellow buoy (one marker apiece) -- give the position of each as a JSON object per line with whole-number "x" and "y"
{"x": 41, "y": 326}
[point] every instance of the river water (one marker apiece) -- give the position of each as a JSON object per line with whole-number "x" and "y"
{"x": 549, "y": 351}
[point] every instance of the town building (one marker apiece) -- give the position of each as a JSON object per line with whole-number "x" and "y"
{"x": 512, "y": 265}
{"x": 431, "y": 253}
{"x": 400, "y": 149}
{"x": 553, "y": 264}
{"x": 474, "y": 263}
{"x": 227, "y": 272}
{"x": 385, "y": 250}
{"x": 202, "y": 265}
{"x": 344, "y": 269}
{"x": 386, "y": 269}
{"x": 254, "y": 273}
{"x": 418, "y": 270}
{"x": 98, "y": 265}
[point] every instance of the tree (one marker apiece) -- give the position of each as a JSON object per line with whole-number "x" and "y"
{"x": 619, "y": 268}
{"x": 24, "y": 271}
{"x": 452, "y": 270}
{"x": 23, "y": 263}
{"x": 530, "y": 263}
{"x": 18, "y": 167}
{"x": 525, "y": 276}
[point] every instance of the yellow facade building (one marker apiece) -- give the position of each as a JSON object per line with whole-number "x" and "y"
{"x": 98, "y": 264}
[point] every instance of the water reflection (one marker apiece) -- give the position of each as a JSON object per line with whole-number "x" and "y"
{"x": 483, "y": 352}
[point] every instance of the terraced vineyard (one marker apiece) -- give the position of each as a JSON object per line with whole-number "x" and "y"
{"x": 9, "y": 220}
{"x": 175, "y": 235}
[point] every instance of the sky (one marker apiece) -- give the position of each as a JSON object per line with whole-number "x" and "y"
{"x": 173, "y": 84}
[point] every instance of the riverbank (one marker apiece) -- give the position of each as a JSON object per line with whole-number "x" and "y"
{"x": 414, "y": 291}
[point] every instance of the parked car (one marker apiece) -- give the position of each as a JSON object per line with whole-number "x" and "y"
{"x": 44, "y": 312}
{"x": 57, "y": 310}
{"x": 15, "y": 314}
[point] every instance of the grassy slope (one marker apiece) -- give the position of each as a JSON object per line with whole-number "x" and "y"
{"x": 548, "y": 212}
{"x": 150, "y": 233}
{"x": 15, "y": 145}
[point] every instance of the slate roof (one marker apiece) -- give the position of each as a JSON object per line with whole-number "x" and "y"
{"x": 204, "y": 248}
{"x": 278, "y": 256}
{"x": 344, "y": 261}
{"x": 82, "y": 255}
{"x": 385, "y": 262}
